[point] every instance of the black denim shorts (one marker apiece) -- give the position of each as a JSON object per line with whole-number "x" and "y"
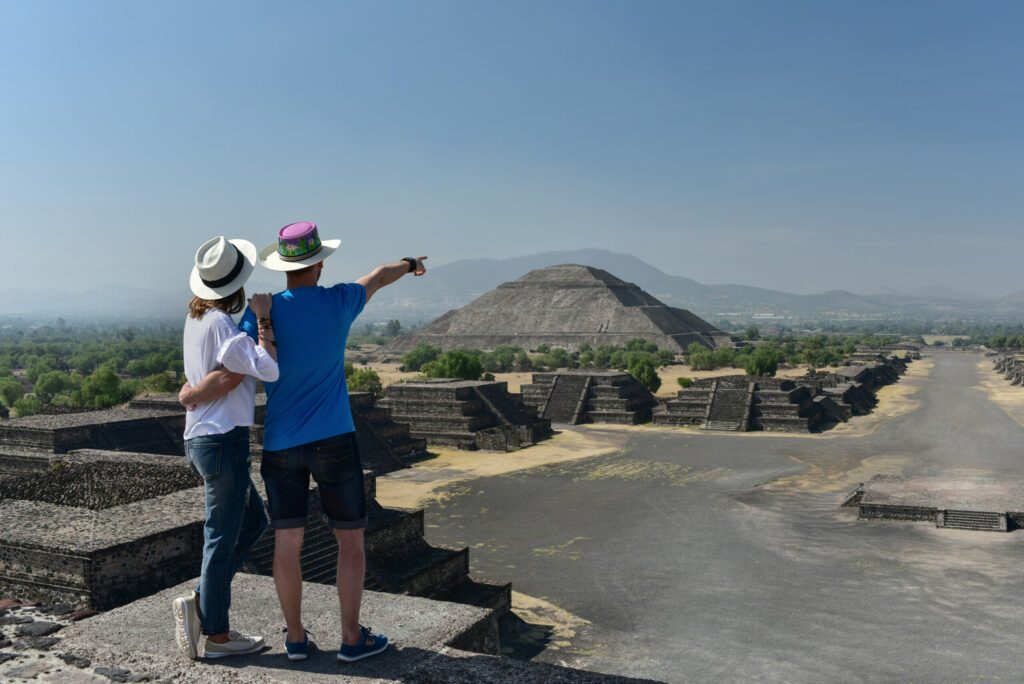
{"x": 335, "y": 464}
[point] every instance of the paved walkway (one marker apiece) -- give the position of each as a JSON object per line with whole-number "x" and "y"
{"x": 695, "y": 557}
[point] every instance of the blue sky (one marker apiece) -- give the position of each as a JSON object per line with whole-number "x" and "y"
{"x": 797, "y": 145}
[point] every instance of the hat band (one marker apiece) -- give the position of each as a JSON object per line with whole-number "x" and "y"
{"x": 221, "y": 282}
{"x": 300, "y": 257}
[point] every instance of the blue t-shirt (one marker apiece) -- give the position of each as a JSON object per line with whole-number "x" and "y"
{"x": 309, "y": 401}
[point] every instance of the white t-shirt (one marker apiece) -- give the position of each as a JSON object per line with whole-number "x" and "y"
{"x": 214, "y": 341}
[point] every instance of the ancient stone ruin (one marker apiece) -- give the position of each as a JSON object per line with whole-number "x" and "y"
{"x": 1011, "y": 367}
{"x": 576, "y": 397}
{"x": 564, "y": 306}
{"x": 101, "y": 528}
{"x": 384, "y": 445}
{"x": 465, "y": 414}
{"x": 740, "y": 403}
{"x": 963, "y": 504}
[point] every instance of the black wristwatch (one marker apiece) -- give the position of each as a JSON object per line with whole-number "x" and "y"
{"x": 412, "y": 263}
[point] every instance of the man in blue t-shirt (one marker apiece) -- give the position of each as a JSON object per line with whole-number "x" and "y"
{"x": 309, "y": 428}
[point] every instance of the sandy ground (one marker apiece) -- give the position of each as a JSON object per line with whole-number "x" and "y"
{"x": 432, "y": 480}
{"x": 1008, "y": 397}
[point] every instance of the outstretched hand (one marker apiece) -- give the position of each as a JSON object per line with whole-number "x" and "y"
{"x": 420, "y": 268}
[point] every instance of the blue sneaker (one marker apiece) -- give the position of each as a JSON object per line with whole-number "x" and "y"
{"x": 298, "y": 650}
{"x": 370, "y": 644}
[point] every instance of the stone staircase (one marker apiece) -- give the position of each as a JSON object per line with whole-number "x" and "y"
{"x": 690, "y": 407}
{"x": 600, "y": 397}
{"x": 399, "y": 560}
{"x": 973, "y": 520}
{"x": 730, "y": 409}
{"x": 786, "y": 408}
{"x": 566, "y": 398}
{"x": 465, "y": 414}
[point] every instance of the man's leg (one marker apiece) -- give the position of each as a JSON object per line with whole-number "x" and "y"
{"x": 287, "y": 481}
{"x": 288, "y": 579}
{"x": 338, "y": 470}
{"x": 351, "y": 576}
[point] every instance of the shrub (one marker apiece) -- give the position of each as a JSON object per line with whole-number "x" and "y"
{"x": 685, "y": 382}
{"x": 457, "y": 363}
{"x": 644, "y": 370}
{"x": 28, "y": 405}
{"x": 363, "y": 380}
{"x": 419, "y": 357}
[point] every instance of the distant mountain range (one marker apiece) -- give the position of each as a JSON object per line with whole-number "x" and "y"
{"x": 455, "y": 284}
{"x": 459, "y": 282}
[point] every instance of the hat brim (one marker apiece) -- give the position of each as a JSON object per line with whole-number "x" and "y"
{"x": 201, "y": 290}
{"x": 270, "y": 258}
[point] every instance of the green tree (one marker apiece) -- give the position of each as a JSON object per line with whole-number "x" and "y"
{"x": 763, "y": 361}
{"x": 641, "y": 345}
{"x": 10, "y": 391}
{"x": 393, "y": 328}
{"x": 159, "y": 382}
{"x": 103, "y": 389}
{"x": 643, "y": 369}
{"x": 419, "y": 357}
{"x": 51, "y": 383}
{"x": 456, "y": 363}
{"x": 752, "y": 333}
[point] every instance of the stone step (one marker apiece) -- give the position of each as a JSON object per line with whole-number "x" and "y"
{"x": 429, "y": 570}
{"x": 677, "y": 419}
{"x": 974, "y": 520}
{"x": 496, "y": 597}
{"x": 420, "y": 423}
{"x": 620, "y": 417}
{"x": 429, "y": 406}
{"x": 459, "y": 440}
{"x": 417, "y": 625}
{"x": 724, "y": 425}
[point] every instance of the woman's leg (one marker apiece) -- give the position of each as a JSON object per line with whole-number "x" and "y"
{"x": 214, "y": 457}
{"x": 255, "y": 520}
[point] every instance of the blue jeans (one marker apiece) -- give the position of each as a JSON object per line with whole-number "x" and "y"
{"x": 235, "y": 519}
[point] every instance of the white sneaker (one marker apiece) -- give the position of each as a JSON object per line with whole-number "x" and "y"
{"x": 237, "y": 644}
{"x": 187, "y": 625}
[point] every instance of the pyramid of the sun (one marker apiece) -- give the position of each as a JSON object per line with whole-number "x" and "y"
{"x": 564, "y": 306}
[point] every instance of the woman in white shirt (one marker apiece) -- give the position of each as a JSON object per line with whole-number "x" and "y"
{"x": 217, "y": 440}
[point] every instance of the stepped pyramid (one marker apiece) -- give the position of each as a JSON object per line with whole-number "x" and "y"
{"x": 564, "y": 306}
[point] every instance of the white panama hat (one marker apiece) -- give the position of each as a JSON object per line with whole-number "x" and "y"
{"x": 298, "y": 246}
{"x": 222, "y": 267}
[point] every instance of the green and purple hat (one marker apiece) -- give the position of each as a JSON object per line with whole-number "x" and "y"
{"x": 298, "y": 246}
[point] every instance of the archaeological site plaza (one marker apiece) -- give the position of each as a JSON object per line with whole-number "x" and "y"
{"x": 808, "y": 528}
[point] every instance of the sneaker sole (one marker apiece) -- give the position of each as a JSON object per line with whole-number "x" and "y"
{"x": 183, "y": 630}
{"x": 227, "y": 654}
{"x": 352, "y": 659}
{"x": 297, "y": 656}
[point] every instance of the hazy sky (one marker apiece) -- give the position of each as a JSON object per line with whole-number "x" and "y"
{"x": 797, "y": 145}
